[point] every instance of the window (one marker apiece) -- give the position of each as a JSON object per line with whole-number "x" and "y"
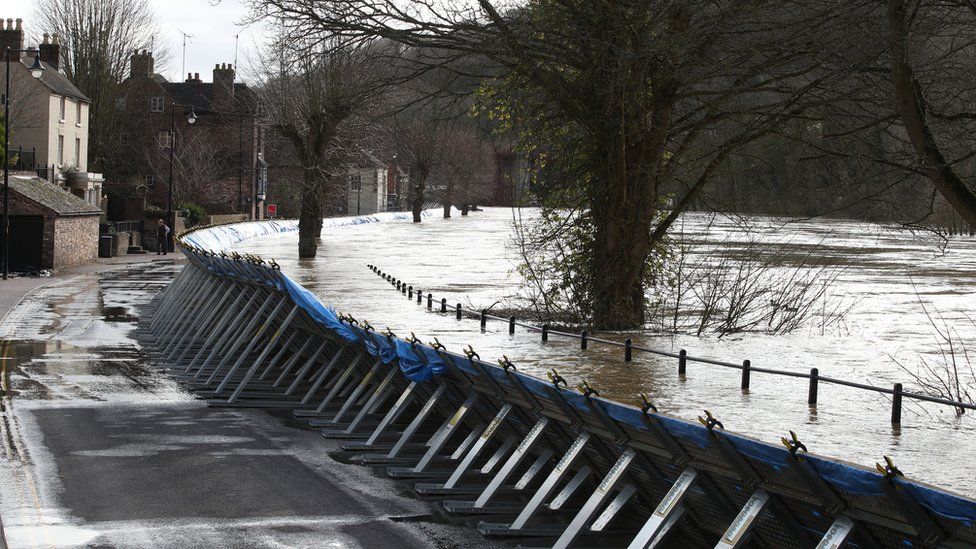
{"x": 78, "y": 153}
{"x": 124, "y": 139}
{"x": 150, "y": 180}
{"x": 63, "y": 105}
{"x": 60, "y": 149}
{"x": 156, "y": 104}
{"x": 165, "y": 139}
{"x": 355, "y": 182}
{"x": 120, "y": 103}
{"x": 78, "y": 112}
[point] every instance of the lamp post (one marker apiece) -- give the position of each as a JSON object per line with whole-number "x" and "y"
{"x": 191, "y": 118}
{"x": 36, "y": 70}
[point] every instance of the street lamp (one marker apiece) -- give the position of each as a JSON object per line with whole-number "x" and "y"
{"x": 191, "y": 117}
{"x": 36, "y": 70}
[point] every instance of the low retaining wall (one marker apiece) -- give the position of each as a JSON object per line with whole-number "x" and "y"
{"x": 524, "y": 458}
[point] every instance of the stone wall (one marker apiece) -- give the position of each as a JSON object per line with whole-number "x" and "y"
{"x": 21, "y": 206}
{"x": 75, "y": 240}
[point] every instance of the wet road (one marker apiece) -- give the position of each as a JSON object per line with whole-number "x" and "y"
{"x": 99, "y": 448}
{"x": 471, "y": 261}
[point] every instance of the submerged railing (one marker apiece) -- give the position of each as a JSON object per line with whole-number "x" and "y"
{"x": 524, "y": 458}
{"x": 897, "y": 391}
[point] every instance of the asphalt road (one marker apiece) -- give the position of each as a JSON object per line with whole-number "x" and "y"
{"x": 101, "y": 449}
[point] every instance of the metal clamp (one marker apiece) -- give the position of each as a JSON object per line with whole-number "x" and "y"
{"x": 587, "y": 391}
{"x": 437, "y": 345}
{"x": 389, "y": 333}
{"x": 889, "y": 470}
{"x": 645, "y": 405}
{"x": 367, "y": 327}
{"x": 793, "y": 443}
{"x": 506, "y": 364}
{"x": 556, "y": 379}
{"x": 412, "y": 340}
{"x": 710, "y": 422}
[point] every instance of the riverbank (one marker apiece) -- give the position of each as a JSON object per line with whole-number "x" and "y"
{"x": 102, "y": 448}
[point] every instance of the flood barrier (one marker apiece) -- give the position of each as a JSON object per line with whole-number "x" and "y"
{"x": 519, "y": 457}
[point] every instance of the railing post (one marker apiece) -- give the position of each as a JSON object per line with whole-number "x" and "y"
{"x": 458, "y": 311}
{"x": 814, "y": 380}
{"x": 628, "y": 350}
{"x": 896, "y": 405}
{"x": 746, "y": 367}
{"x": 511, "y": 325}
{"x": 682, "y": 362}
{"x": 410, "y": 292}
{"x": 484, "y": 319}
{"x": 420, "y": 296}
{"x": 443, "y": 304}
{"x": 430, "y": 301}
{"x": 583, "y": 341}
{"x": 403, "y": 288}
{"x": 545, "y": 332}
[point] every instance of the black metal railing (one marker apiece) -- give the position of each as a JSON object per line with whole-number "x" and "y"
{"x": 746, "y": 368}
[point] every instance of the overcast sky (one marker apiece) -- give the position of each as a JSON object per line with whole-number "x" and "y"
{"x": 212, "y": 29}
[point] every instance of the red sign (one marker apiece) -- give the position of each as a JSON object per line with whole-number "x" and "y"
{"x": 272, "y": 210}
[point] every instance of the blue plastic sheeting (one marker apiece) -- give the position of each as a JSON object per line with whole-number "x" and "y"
{"x": 421, "y": 363}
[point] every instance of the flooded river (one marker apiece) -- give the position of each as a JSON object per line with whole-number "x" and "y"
{"x": 888, "y": 275}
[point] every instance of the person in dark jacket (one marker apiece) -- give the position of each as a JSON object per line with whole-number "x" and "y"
{"x": 162, "y": 238}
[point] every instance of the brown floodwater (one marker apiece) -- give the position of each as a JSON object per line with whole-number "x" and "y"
{"x": 890, "y": 278}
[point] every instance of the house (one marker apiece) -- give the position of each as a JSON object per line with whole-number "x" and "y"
{"x": 367, "y": 186}
{"x": 50, "y": 228}
{"x": 48, "y": 118}
{"x": 214, "y": 158}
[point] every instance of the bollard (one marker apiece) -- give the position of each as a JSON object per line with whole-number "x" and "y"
{"x": 484, "y": 319}
{"x": 682, "y": 362}
{"x": 583, "y": 341}
{"x": 403, "y": 288}
{"x": 459, "y": 311}
{"x": 896, "y": 405}
{"x": 420, "y": 296}
{"x": 430, "y": 301}
{"x": 814, "y": 380}
{"x": 443, "y": 304}
{"x": 409, "y": 292}
{"x": 628, "y": 350}
{"x": 511, "y": 325}
{"x": 545, "y": 332}
{"x": 746, "y": 365}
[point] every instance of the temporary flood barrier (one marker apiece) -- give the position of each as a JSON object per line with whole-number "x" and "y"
{"x": 522, "y": 458}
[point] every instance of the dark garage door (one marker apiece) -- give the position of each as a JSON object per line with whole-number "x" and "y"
{"x": 26, "y": 240}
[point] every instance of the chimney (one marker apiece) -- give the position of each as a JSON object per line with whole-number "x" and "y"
{"x": 11, "y": 37}
{"x": 193, "y": 78}
{"x": 51, "y": 50}
{"x": 223, "y": 87}
{"x": 141, "y": 64}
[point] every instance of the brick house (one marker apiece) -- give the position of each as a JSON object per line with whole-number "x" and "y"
{"x": 50, "y": 228}
{"x": 215, "y": 158}
{"x": 48, "y": 118}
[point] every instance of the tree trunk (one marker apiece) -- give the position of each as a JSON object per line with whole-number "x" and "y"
{"x": 418, "y": 197}
{"x": 310, "y": 218}
{"x": 909, "y": 103}
{"x": 464, "y": 208}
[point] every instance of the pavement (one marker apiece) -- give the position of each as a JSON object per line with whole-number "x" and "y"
{"x": 99, "y": 448}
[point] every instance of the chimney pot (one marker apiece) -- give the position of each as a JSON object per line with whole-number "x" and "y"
{"x": 47, "y": 38}
{"x": 196, "y": 76}
{"x": 19, "y": 21}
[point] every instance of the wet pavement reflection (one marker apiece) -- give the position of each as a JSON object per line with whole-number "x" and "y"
{"x": 471, "y": 260}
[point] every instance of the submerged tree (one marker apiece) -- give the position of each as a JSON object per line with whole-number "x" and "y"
{"x": 618, "y": 103}
{"x": 320, "y": 99}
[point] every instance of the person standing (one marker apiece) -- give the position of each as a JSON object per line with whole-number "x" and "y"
{"x": 162, "y": 238}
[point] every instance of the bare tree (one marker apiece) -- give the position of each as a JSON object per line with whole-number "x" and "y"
{"x": 321, "y": 101}
{"x": 619, "y": 101}
{"x": 467, "y": 171}
{"x": 97, "y": 37}
{"x": 421, "y": 144}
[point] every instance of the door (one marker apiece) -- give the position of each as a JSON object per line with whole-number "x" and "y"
{"x": 26, "y": 242}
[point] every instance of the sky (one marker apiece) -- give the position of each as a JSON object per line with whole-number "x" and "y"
{"x": 211, "y": 28}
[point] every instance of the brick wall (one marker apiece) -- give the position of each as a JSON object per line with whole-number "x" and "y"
{"x": 75, "y": 240}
